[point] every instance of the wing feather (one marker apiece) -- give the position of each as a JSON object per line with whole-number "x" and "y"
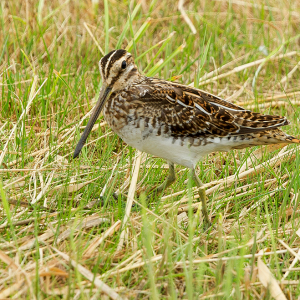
{"x": 189, "y": 111}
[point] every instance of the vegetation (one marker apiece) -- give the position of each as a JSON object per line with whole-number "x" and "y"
{"x": 56, "y": 242}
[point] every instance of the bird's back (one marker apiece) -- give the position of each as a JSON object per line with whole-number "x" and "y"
{"x": 183, "y": 124}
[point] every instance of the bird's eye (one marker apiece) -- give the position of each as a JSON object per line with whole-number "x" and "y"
{"x": 123, "y": 64}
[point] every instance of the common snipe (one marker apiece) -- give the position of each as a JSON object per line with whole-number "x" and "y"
{"x": 173, "y": 121}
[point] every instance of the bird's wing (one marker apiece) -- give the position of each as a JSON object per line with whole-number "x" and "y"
{"x": 191, "y": 112}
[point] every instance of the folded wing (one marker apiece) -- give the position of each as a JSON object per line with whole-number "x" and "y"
{"x": 192, "y": 112}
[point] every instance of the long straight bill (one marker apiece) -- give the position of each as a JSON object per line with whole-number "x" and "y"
{"x": 104, "y": 95}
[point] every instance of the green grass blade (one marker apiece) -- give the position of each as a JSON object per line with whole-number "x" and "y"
{"x": 157, "y": 68}
{"x": 131, "y": 18}
{"x": 164, "y": 42}
{"x": 106, "y": 25}
{"x": 139, "y": 34}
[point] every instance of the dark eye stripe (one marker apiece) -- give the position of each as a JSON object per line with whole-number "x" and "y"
{"x": 116, "y": 56}
{"x": 132, "y": 71}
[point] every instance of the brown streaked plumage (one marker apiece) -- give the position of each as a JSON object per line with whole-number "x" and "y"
{"x": 176, "y": 122}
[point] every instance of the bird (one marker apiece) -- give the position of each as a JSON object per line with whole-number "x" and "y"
{"x": 176, "y": 122}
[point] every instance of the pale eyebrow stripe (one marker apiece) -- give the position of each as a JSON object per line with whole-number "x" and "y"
{"x": 108, "y": 61}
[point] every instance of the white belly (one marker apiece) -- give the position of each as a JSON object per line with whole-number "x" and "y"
{"x": 175, "y": 150}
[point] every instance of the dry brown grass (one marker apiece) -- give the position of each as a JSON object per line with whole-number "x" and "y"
{"x": 55, "y": 244}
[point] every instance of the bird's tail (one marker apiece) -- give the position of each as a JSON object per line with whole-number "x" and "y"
{"x": 278, "y": 136}
{"x": 273, "y": 136}
{"x": 292, "y": 139}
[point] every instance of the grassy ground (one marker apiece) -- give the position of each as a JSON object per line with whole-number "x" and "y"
{"x": 54, "y": 244}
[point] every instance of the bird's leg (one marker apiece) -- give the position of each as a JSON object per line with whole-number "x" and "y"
{"x": 202, "y": 195}
{"x": 170, "y": 179}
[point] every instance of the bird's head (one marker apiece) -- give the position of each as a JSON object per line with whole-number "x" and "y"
{"x": 118, "y": 71}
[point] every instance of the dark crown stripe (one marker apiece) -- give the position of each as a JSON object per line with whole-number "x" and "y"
{"x": 115, "y": 56}
{"x": 104, "y": 61}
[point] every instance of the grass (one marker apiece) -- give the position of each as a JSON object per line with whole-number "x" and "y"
{"x": 54, "y": 244}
